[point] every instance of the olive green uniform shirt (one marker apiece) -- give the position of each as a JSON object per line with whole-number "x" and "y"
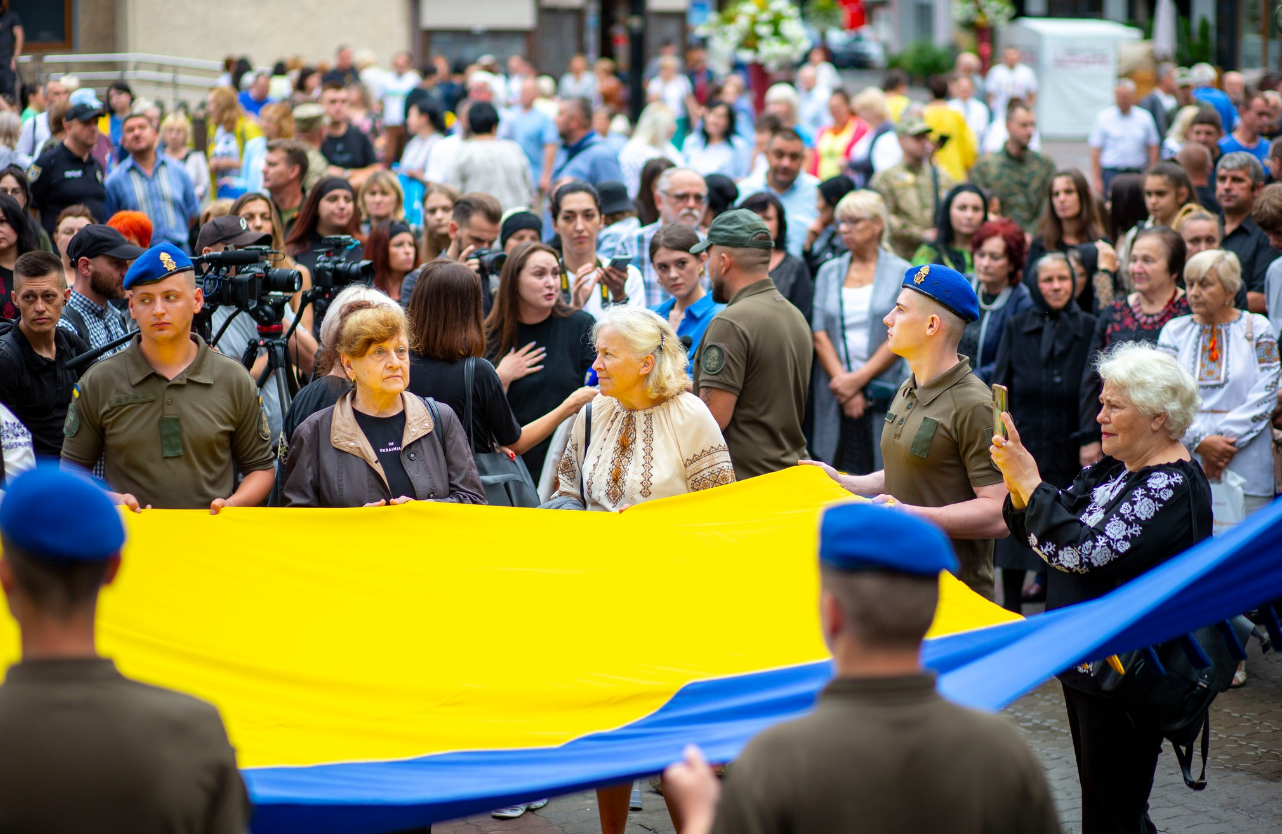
{"x": 911, "y": 198}
{"x": 173, "y": 444}
{"x": 88, "y": 751}
{"x": 317, "y": 167}
{"x": 1022, "y": 183}
{"x": 935, "y": 447}
{"x": 887, "y": 756}
{"x": 760, "y": 349}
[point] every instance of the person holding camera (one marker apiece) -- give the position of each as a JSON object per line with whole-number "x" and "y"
{"x": 330, "y": 209}
{"x": 473, "y": 230}
{"x": 589, "y": 283}
{"x": 174, "y": 420}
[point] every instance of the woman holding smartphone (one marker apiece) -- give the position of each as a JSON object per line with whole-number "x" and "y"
{"x": 588, "y": 282}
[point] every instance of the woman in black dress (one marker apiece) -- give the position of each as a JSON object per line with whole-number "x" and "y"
{"x": 1143, "y": 503}
{"x": 1040, "y": 359}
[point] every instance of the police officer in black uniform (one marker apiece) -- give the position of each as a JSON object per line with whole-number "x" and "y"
{"x": 85, "y": 748}
{"x": 67, "y": 174}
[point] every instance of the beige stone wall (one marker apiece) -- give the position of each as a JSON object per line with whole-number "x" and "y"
{"x": 265, "y": 30}
{"x": 96, "y": 26}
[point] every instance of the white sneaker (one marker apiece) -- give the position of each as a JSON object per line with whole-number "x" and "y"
{"x": 509, "y": 813}
{"x": 536, "y": 805}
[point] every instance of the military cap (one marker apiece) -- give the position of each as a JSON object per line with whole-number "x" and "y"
{"x": 98, "y": 239}
{"x": 912, "y": 126}
{"x": 860, "y": 536}
{"x": 946, "y": 286}
{"x": 737, "y": 229}
{"x": 55, "y": 513}
{"x": 157, "y": 264}
{"x": 309, "y": 116}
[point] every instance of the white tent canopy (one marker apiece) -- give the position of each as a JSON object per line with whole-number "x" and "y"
{"x": 1076, "y": 66}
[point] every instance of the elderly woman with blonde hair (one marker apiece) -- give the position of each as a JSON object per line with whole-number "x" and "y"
{"x": 856, "y": 376}
{"x": 646, "y": 436}
{"x": 1146, "y": 501}
{"x": 1233, "y": 355}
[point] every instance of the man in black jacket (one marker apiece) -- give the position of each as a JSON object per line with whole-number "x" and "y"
{"x": 35, "y": 382}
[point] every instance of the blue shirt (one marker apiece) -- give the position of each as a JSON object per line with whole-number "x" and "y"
{"x": 533, "y": 131}
{"x": 250, "y": 105}
{"x": 589, "y": 159}
{"x": 1230, "y": 144}
{"x": 799, "y": 205}
{"x": 167, "y": 197}
{"x": 696, "y": 320}
{"x": 1222, "y": 104}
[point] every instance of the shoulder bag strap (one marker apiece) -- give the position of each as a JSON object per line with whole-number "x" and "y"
{"x": 437, "y": 428}
{"x": 78, "y": 322}
{"x": 587, "y": 438}
{"x": 469, "y": 371}
{"x": 841, "y": 316}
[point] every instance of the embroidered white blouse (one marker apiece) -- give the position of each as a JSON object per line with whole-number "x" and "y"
{"x": 1236, "y": 367}
{"x": 636, "y": 456}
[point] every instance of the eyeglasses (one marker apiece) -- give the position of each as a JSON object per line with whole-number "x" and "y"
{"x": 683, "y": 197}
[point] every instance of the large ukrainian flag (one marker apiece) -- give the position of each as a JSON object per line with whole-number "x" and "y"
{"x": 380, "y": 669}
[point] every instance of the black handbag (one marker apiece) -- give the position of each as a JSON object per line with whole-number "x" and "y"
{"x": 506, "y": 480}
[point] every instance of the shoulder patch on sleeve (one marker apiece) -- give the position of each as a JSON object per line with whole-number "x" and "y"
{"x": 714, "y": 358}
{"x": 264, "y": 431}
{"x": 33, "y": 173}
{"x": 72, "y": 424}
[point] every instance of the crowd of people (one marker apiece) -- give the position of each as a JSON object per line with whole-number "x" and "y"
{"x": 614, "y": 313}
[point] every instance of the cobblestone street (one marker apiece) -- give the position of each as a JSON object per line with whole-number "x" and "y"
{"x": 1244, "y": 774}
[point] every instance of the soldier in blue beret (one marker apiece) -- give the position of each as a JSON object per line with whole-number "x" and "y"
{"x": 173, "y": 420}
{"x": 940, "y": 425}
{"x": 85, "y": 748}
{"x": 881, "y": 751}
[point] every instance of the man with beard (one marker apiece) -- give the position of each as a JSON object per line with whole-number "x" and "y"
{"x": 99, "y": 256}
{"x": 783, "y": 177}
{"x": 753, "y": 364}
{"x": 681, "y": 196}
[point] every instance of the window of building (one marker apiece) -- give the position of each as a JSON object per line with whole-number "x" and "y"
{"x": 46, "y": 24}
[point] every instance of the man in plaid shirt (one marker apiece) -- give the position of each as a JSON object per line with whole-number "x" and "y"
{"x": 681, "y": 196}
{"x": 99, "y": 257}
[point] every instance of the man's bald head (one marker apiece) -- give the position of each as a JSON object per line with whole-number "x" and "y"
{"x": 1195, "y": 158}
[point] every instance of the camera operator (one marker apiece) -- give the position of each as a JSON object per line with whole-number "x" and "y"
{"x": 474, "y": 227}
{"x": 216, "y": 236}
{"x": 35, "y": 382}
{"x": 173, "y": 419}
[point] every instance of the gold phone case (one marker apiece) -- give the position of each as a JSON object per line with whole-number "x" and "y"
{"x": 1001, "y": 402}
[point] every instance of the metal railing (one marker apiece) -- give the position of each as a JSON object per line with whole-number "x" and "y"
{"x": 168, "y": 79}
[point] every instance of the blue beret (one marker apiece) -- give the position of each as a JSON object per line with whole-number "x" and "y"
{"x": 53, "y": 513}
{"x": 157, "y": 264}
{"x": 862, "y": 536}
{"x": 947, "y": 286}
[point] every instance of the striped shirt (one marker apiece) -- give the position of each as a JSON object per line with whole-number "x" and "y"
{"x": 167, "y": 197}
{"x": 637, "y": 247}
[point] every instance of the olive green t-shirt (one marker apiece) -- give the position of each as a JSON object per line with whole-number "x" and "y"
{"x": 760, "y": 349}
{"x": 173, "y": 444}
{"x": 935, "y": 447}
{"x": 882, "y": 755}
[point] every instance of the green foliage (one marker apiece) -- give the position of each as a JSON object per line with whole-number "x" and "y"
{"x": 822, "y": 15}
{"x": 923, "y": 59}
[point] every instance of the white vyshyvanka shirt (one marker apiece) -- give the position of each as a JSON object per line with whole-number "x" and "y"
{"x": 636, "y": 456}
{"x": 1238, "y": 383}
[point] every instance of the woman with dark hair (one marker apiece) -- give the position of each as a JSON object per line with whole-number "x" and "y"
{"x": 1040, "y": 360}
{"x": 716, "y": 147}
{"x": 445, "y": 319}
{"x": 1069, "y": 218}
{"x": 305, "y": 87}
{"x": 1157, "y": 265}
{"x": 999, "y": 262}
{"x": 790, "y": 273}
{"x": 823, "y": 241}
{"x": 394, "y": 251}
{"x": 528, "y": 309}
{"x": 960, "y": 215}
{"x": 588, "y": 282}
{"x": 648, "y": 212}
{"x": 690, "y": 308}
{"x": 17, "y": 237}
{"x": 14, "y": 182}
{"x": 330, "y": 209}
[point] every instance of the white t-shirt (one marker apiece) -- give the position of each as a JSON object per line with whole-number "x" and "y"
{"x": 1004, "y": 84}
{"x": 394, "y": 89}
{"x": 1124, "y": 140}
{"x": 673, "y": 93}
{"x": 856, "y": 303}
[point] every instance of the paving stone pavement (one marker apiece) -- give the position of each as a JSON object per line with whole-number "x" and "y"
{"x": 1244, "y": 774}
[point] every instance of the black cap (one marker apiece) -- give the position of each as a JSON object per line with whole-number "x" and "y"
{"x": 83, "y": 113}
{"x": 232, "y": 230}
{"x": 518, "y": 220}
{"x": 614, "y": 197}
{"x": 97, "y": 239}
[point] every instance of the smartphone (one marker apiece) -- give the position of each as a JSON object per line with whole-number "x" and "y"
{"x": 620, "y": 264}
{"x": 1001, "y": 402}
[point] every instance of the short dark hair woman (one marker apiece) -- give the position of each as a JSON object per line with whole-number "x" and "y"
{"x": 393, "y": 249}
{"x": 960, "y": 215}
{"x": 330, "y": 209}
{"x": 790, "y": 273}
{"x": 528, "y": 312}
{"x": 379, "y": 444}
{"x": 1143, "y": 503}
{"x": 445, "y": 318}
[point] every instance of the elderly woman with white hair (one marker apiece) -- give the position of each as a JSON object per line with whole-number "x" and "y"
{"x": 856, "y": 376}
{"x": 1144, "y": 502}
{"x": 651, "y": 138}
{"x": 1233, "y": 355}
{"x": 645, "y": 437}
